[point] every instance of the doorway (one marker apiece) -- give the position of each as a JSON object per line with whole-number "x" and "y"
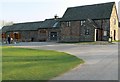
{"x": 114, "y": 34}
{"x": 53, "y": 36}
{"x": 16, "y": 35}
{"x": 99, "y": 34}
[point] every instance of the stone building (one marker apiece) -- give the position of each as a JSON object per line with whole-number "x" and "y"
{"x": 96, "y": 22}
{"x": 21, "y": 31}
{"x": 47, "y": 30}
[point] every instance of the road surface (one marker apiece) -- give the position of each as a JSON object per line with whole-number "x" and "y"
{"x": 101, "y": 61}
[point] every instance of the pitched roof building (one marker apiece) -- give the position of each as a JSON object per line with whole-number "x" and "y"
{"x": 96, "y": 11}
{"x": 96, "y": 22}
{"x": 22, "y": 26}
{"x": 30, "y": 30}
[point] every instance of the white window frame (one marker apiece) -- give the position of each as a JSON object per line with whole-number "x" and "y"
{"x": 68, "y": 23}
{"x": 82, "y": 22}
{"x": 87, "y": 31}
{"x": 105, "y": 33}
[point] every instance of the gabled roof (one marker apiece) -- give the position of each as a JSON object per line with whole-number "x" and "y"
{"x": 27, "y": 26}
{"x": 48, "y": 23}
{"x": 22, "y": 26}
{"x": 51, "y": 23}
{"x": 96, "y": 11}
{"x": 5, "y": 28}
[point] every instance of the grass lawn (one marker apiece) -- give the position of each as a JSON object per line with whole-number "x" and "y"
{"x": 31, "y": 64}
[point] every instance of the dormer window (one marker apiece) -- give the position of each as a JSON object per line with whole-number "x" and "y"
{"x": 55, "y": 25}
{"x": 68, "y": 24}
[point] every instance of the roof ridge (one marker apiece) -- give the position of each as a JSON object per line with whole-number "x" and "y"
{"x": 92, "y": 5}
{"x": 28, "y": 22}
{"x": 96, "y": 11}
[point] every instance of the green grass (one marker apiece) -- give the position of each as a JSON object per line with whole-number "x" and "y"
{"x": 31, "y": 64}
{"x": 117, "y": 41}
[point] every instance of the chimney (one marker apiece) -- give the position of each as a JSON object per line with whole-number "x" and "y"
{"x": 55, "y": 17}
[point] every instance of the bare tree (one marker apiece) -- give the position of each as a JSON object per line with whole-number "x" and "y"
{"x": 5, "y": 23}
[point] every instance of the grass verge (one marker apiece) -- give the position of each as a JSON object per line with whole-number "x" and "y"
{"x": 117, "y": 41}
{"x": 31, "y": 64}
{"x": 90, "y": 43}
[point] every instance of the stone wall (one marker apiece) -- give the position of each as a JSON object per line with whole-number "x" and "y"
{"x": 114, "y": 24}
{"x": 87, "y": 31}
{"x": 77, "y": 32}
{"x": 24, "y": 36}
{"x": 54, "y": 30}
{"x": 70, "y": 33}
{"x": 42, "y": 35}
{"x": 46, "y": 35}
{"x": 104, "y": 25}
{"x": 28, "y": 36}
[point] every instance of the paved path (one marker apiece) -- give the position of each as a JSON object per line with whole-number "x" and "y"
{"x": 101, "y": 61}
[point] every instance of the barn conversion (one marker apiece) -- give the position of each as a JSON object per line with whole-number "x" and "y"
{"x": 47, "y": 30}
{"x": 98, "y": 22}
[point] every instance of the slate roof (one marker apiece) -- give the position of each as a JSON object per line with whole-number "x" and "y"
{"x": 48, "y": 23}
{"x": 51, "y": 23}
{"x": 5, "y": 28}
{"x": 22, "y": 26}
{"x": 96, "y": 11}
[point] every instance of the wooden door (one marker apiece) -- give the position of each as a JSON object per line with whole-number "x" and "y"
{"x": 53, "y": 36}
{"x": 114, "y": 34}
{"x": 99, "y": 34}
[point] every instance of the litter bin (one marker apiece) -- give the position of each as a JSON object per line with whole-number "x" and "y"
{"x": 110, "y": 39}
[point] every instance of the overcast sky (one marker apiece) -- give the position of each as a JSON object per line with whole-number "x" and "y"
{"x": 38, "y": 10}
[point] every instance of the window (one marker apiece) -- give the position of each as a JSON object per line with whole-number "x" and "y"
{"x": 16, "y": 35}
{"x": 82, "y": 22}
{"x": 87, "y": 32}
{"x": 114, "y": 21}
{"x": 3, "y": 35}
{"x": 55, "y": 25}
{"x": 105, "y": 33}
{"x": 68, "y": 24}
